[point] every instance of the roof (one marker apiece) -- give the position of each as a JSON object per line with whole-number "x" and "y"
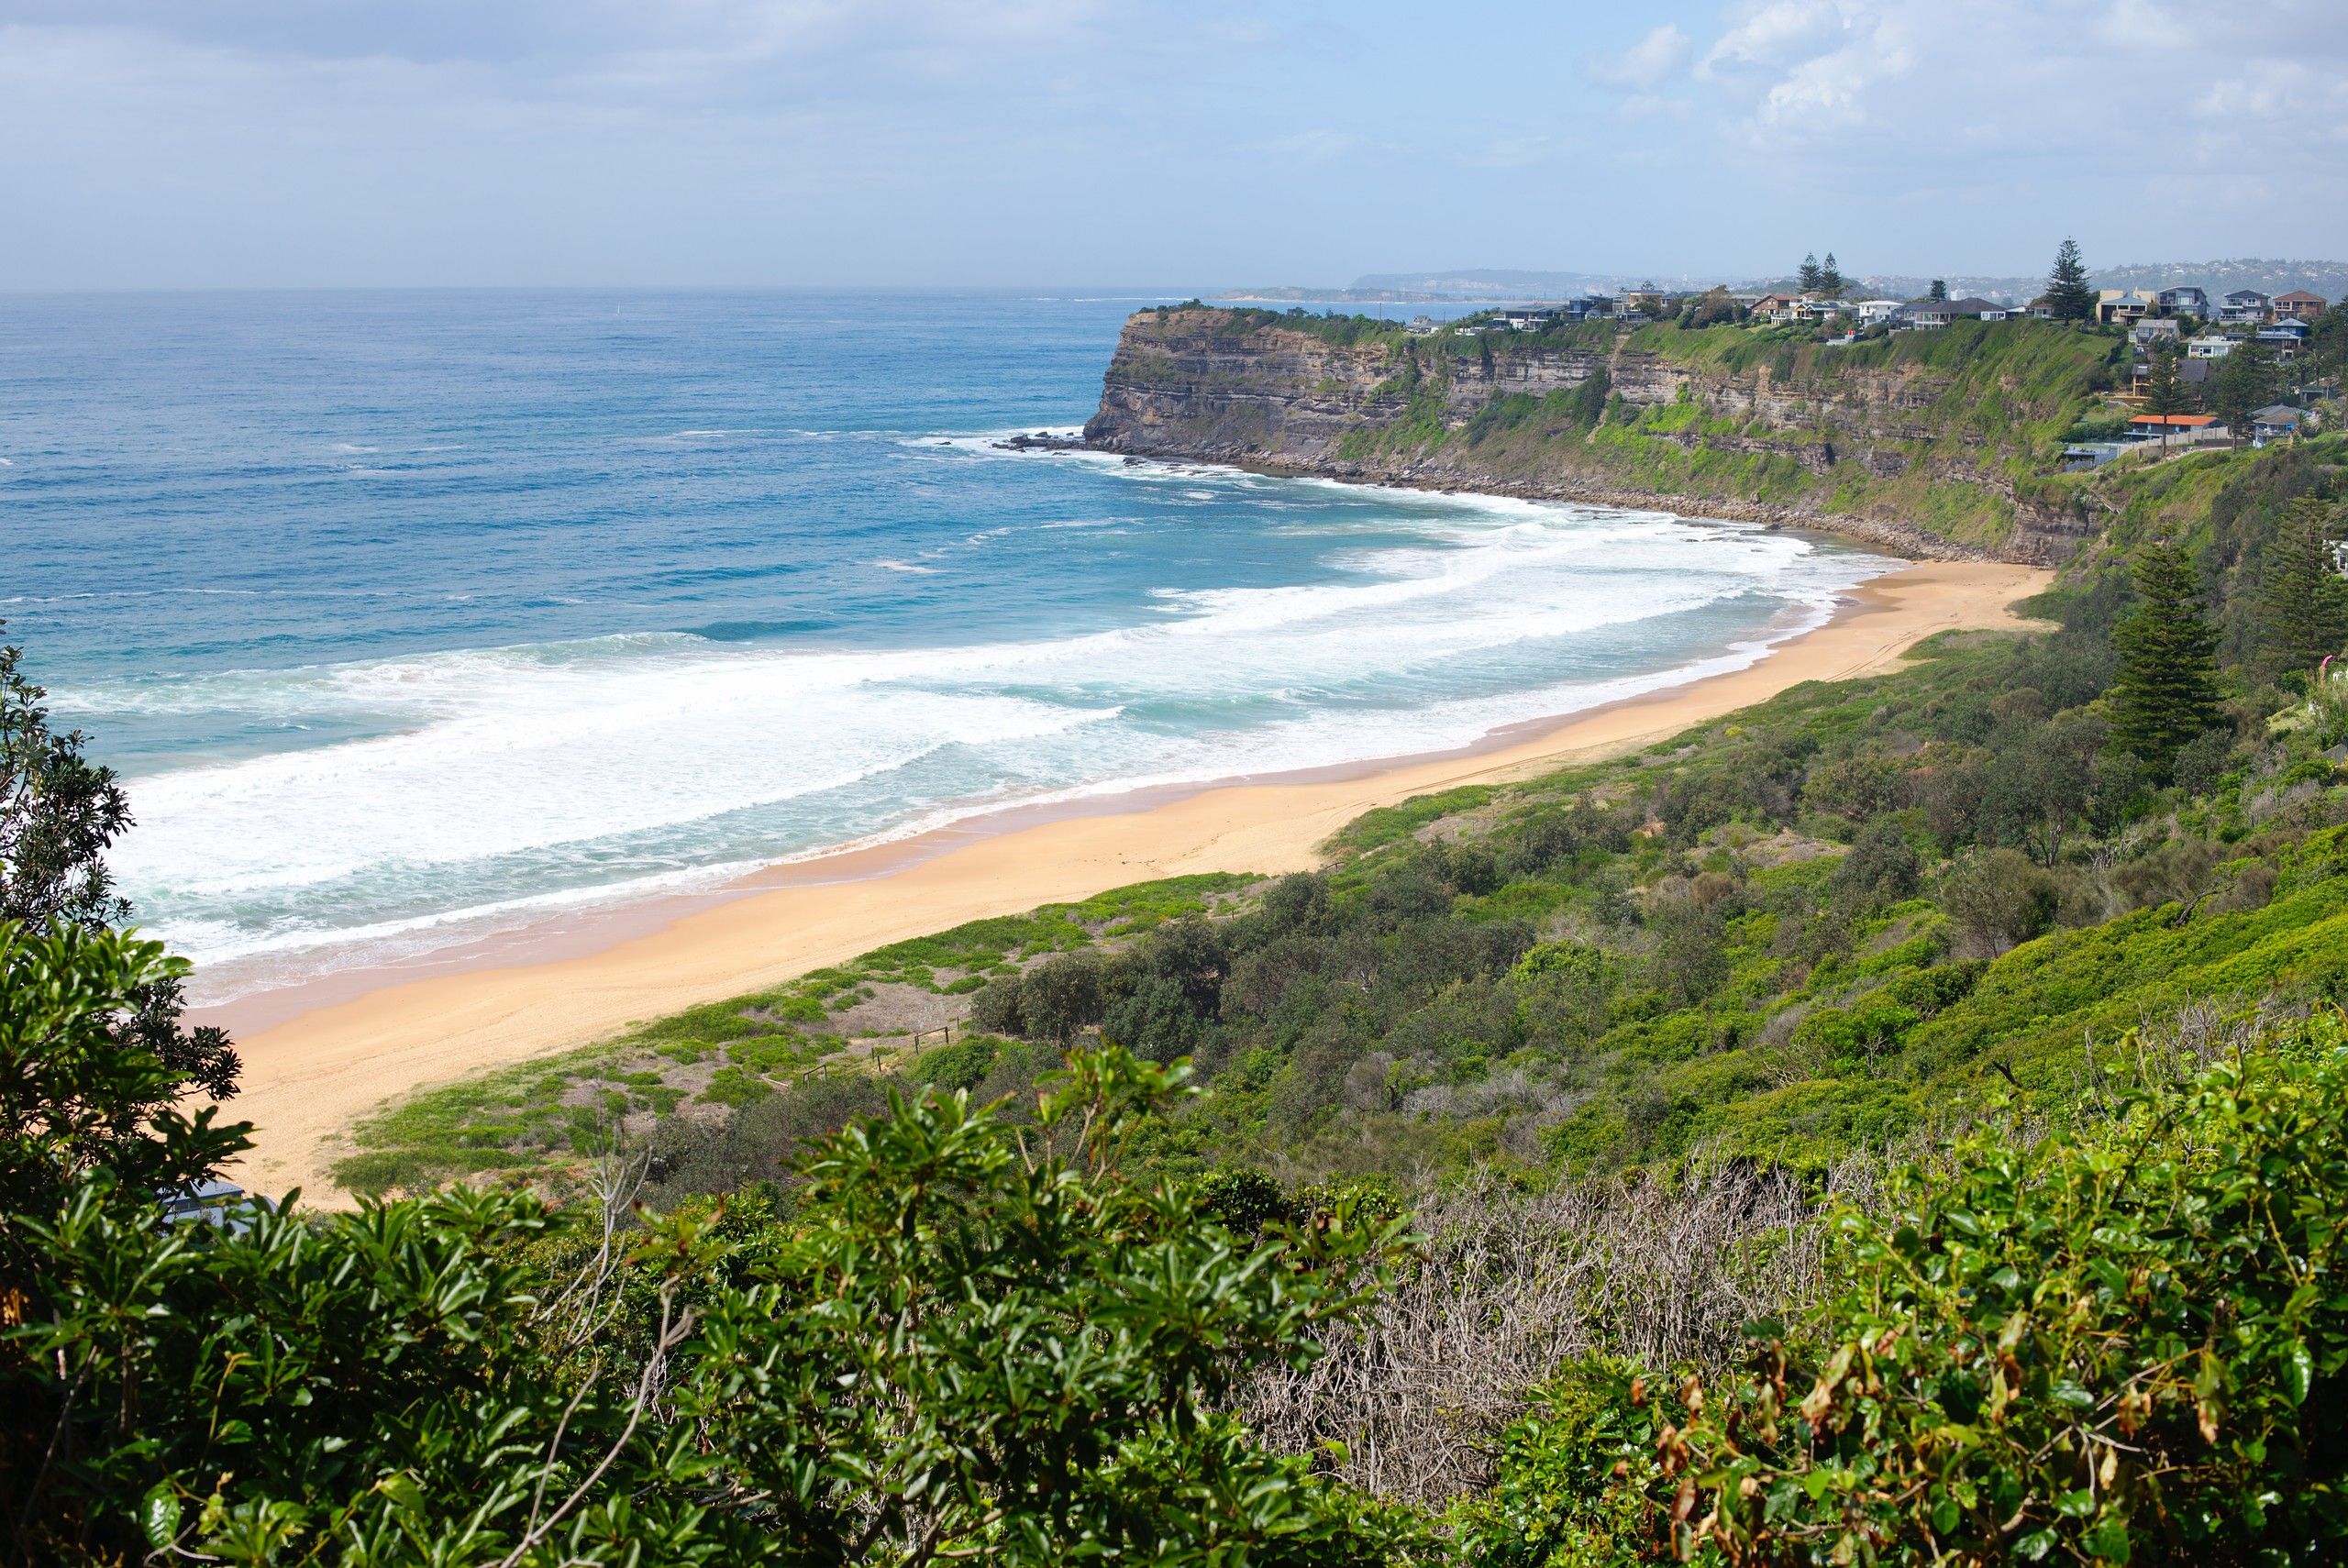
{"x": 2300, "y": 296}
{"x": 2174, "y": 421}
{"x": 2248, "y": 295}
{"x": 2279, "y": 414}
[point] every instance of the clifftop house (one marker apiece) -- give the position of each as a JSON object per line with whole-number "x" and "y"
{"x": 1929, "y": 314}
{"x": 2162, "y": 426}
{"x": 2299, "y": 305}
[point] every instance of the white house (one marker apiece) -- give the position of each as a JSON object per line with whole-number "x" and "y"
{"x": 2154, "y": 328}
{"x": 2209, "y": 346}
{"x": 2245, "y": 307}
{"x": 1529, "y": 318}
{"x": 1874, "y": 313}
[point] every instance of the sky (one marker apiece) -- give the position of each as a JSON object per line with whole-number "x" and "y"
{"x": 332, "y": 143}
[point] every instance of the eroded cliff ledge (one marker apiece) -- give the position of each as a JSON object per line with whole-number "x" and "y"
{"x": 1934, "y": 443}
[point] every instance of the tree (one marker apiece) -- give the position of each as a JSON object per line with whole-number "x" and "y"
{"x": 971, "y": 1341}
{"x": 1997, "y": 900}
{"x": 2302, "y": 603}
{"x": 2327, "y": 349}
{"x": 1830, "y": 278}
{"x": 1939, "y": 290}
{"x": 2165, "y": 691}
{"x": 85, "y": 1103}
{"x": 1811, "y": 275}
{"x": 2244, "y": 384}
{"x": 2165, "y": 391}
{"x": 59, "y": 815}
{"x": 1713, "y": 307}
{"x": 2069, "y": 294}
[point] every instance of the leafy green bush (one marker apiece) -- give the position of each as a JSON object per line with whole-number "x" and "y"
{"x": 964, "y": 1344}
{"x": 82, "y": 1099}
{"x": 1569, "y": 1482}
{"x": 959, "y": 1065}
{"x": 2125, "y": 1343}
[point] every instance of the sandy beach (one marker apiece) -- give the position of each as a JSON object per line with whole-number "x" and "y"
{"x": 309, "y": 1077}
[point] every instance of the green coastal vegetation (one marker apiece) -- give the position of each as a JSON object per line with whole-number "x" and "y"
{"x": 1903, "y": 1121}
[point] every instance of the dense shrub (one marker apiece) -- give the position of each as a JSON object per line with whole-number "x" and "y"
{"x": 418, "y": 1382}
{"x": 2115, "y": 1345}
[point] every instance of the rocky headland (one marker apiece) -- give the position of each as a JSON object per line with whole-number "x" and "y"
{"x": 1935, "y": 445}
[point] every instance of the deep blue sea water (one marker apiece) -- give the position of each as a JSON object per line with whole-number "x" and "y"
{"x": 412, "y": 614}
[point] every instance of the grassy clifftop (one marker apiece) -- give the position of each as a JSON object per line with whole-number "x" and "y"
{"x": 1942, "y": 442}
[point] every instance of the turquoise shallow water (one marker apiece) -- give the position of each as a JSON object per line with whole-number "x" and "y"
{"x": 414, "y": 615}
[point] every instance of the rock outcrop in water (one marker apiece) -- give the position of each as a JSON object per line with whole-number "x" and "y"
{"x": 1934, "y": 443}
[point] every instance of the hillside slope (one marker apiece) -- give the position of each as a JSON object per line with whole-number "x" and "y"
{"x": 1936, "y": 444}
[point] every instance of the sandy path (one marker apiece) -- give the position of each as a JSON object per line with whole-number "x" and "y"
{"x": 309, "y": 1079}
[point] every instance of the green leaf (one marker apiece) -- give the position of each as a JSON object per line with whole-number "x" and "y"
{"x": 2298, "y": 1371}
{"x": 2035, "y": 1546}
{"x": 2107, "y": 1539}
{"x": 159, "y": 1516}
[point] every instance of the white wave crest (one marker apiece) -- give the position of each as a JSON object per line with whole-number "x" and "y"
{"x": 503, "y": 781}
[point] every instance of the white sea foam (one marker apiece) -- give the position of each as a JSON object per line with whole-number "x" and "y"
{"x": 505, "y": 782}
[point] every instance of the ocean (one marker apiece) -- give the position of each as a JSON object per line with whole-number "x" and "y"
{"x": 409, "y": 617}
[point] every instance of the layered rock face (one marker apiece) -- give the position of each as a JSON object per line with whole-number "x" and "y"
{"x": 1867, "y": 450}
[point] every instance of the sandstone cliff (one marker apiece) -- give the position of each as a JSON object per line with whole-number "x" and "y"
{"x": 1937, "y": 443}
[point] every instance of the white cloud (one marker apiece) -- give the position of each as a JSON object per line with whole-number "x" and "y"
{"x": 1788, "y": 71}
{"x": 1829, "y": 92}
{"x": 2153, "y": 24}
{"x": 2278, "y": 102}
{"x": 1647, "y": 64}
{"x": 1778, "y": 34}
